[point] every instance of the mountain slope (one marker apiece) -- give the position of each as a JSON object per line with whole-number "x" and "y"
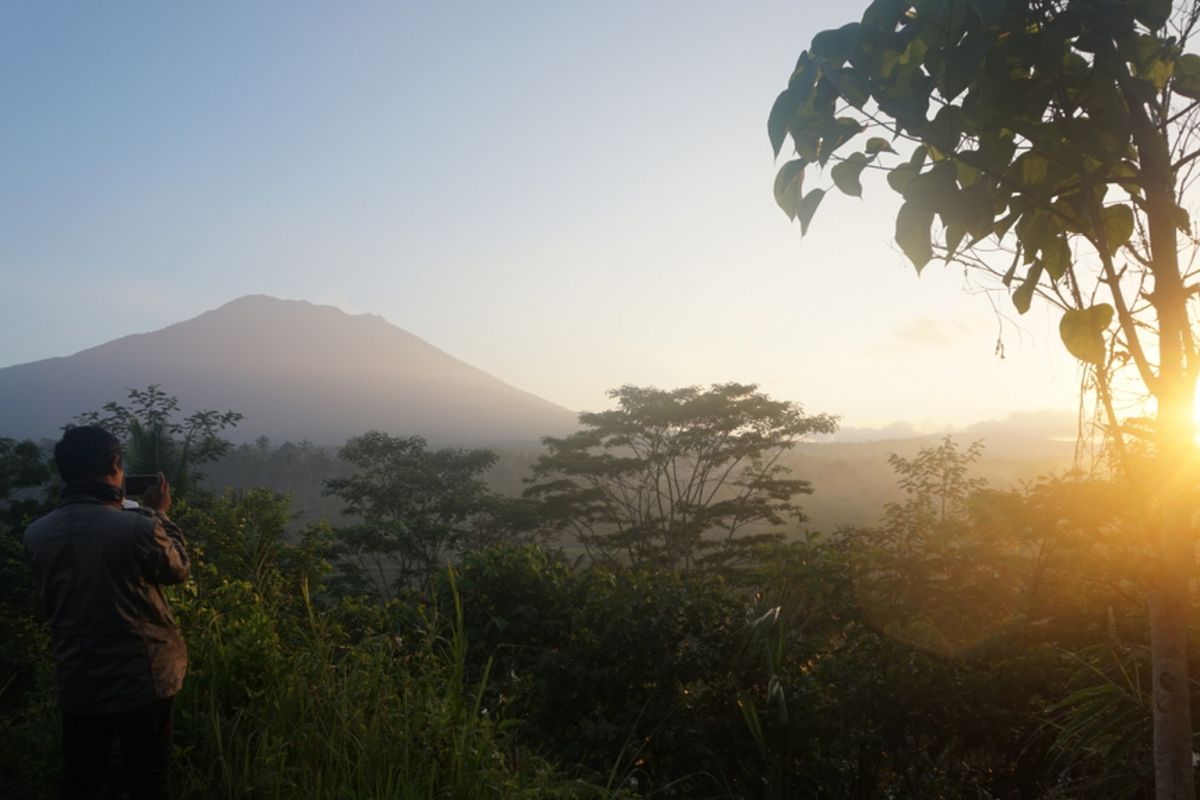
{"x": 296, "y": 370}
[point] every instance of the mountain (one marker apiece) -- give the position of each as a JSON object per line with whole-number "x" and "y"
{"x": 295, "y": 370}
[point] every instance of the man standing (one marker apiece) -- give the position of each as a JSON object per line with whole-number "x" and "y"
{"x": 119, "y": 657}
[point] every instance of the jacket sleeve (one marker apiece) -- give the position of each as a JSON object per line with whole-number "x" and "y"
{"x": 164, "y": 552}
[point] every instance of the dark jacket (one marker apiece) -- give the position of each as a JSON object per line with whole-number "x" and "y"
{"x": 100, "y": 570}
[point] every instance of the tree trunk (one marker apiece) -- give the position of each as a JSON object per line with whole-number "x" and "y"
{"x": 1169, "y": 601}
{"x": 1174, "y": 458}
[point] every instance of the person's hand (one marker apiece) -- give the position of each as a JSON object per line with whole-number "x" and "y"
{"x": 158, "y": 497}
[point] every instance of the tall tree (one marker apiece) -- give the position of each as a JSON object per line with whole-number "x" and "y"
{"x": 1052, "y": 144}
{"x": 677, "y": 478}
{"x": 417, "y": 507}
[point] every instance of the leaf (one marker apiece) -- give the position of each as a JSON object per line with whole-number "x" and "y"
{"x": 913, "y": 223}
{"x": 780, "y": 118}
{"x": 1034, "y": 169}
{"x": 1152, "y": 13}
{"x": 936, "y": 188}
{"x": 1187, "y": 76}
{"x": 807, "y": 207}
{"x": 877, "y": 144}
{"x": 789, "y": 185}
{"x": 1183, "y": 220}
{"x": 847, "y": 174}
{"x": 1118, "y": 226}
{"x": 1082, "y": 331}
{"x": 954, "y": 236}
{"x": 977, "y": 212}
{"x": 901, "y": 176}
{"x": 852, "y": 85}
{"x": 836, "y": 45}
{"x": 840, "y": 131}
{"x": 1056, "y": 257}
{"x": 1023, "y": 296}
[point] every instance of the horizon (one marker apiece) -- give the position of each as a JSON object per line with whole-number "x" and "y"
{"x": 571, "y": 215}
{"x": 1043, "y": 424}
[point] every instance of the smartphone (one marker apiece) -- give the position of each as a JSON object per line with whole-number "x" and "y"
{"x": 136, "y": 485}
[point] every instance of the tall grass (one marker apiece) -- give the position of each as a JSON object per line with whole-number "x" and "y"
{"x": 327, "y": 719}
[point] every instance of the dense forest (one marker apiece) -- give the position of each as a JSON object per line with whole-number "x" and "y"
{"x": 648, "y": 616}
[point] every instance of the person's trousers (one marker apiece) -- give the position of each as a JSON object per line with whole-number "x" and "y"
{"x": 145, "y": 736}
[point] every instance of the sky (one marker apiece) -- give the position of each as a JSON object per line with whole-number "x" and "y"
{"x": 569, "y": 196}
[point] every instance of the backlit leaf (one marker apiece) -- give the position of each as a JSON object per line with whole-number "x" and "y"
{"x": 1187, "y": 76}
{"x": 913, "y": 223}
{"x": 789, "y": 185}
{"x": 807, "y": 207}
{"x": 1056, "y": 256}
{"x": 1082, "y": 331}
{"x": 781, "y": 118}
{"x": 877, "y": 144}
{"x": 1023, "y": 296}
{"x": 1118, "y": 226}
{"x": 847, "y": 174}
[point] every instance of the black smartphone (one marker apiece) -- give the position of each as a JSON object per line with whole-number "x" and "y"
{"x": 136, "y": 485}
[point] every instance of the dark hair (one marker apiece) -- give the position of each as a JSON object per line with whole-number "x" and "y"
{"x": 86, "y": 453}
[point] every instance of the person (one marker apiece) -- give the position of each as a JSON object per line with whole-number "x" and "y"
{"x": 119, "y": 657}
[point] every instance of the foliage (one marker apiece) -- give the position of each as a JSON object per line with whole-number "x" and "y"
{"x": 22, "y": 465}
{"x": 24, "y": 473}
{"x": 676, "y": 479}
{"x": 907, "y": 659}
{"x": 417, "y": 506}
{"x": 294, "y": 693}
{"x": 156, "y": 440}
{"x": 627, "y": 672}
{"x": 975, "y": 642}
{"x": 1051, "y": 149}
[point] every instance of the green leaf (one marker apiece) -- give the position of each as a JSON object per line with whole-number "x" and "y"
{"x": 1056, "y": 256}
{"x": 1187, "y": 76}
{"x": 780, "y": 118}
{"x": 901, "y": 176}
{"x": 977, "y": 212}
{"x": 1023, "y": 296}
{"x": 1118, "y": 226}
{"x": 807, "y": 207}
{"x": 913, "y": 223}
{"x": 937, "y": 190}
{"x": 836, "y": 46}
{"x": 852, "y": 85}
{"x": 836, "y": 134}
{"x": 1152, "y": 13}
{"x": 877, "y": 144}
{"x": 847, "y": 174}
{"x": 1082, "y": 331}
{"x": 1034, "y": 169}
{"x": 954, "y": 236}
{"x": 789, "y": 185}
{"x": 1183, "y": 220}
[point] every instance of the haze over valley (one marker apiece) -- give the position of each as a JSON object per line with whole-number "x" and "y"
{"x": 304, "y": 372}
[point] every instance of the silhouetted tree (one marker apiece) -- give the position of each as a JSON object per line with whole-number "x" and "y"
{"x": 677, "y": 479}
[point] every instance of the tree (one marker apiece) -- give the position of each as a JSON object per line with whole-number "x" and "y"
{"x": 679, "y": 478}
{"x": 1052, "y": 146}
{"x": 156, "y": 440}
{"x": 417, "y": 506}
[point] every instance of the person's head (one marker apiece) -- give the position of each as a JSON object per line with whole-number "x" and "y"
{"x": 89, "y": 453}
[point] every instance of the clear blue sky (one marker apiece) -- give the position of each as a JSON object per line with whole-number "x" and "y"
{"x": 571, "y": 196}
